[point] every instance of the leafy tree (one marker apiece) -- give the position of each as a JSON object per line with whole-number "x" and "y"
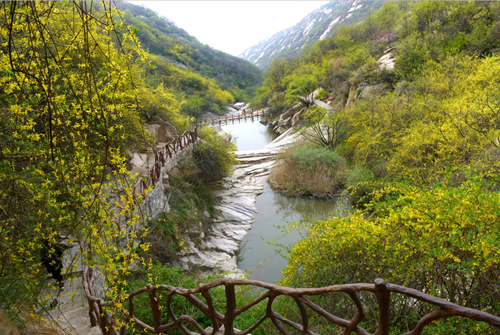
{"x": 301, "y": 90}
{"x": 67, "y": 108}
{"x": 193, "y": 107}
{"x": 323, "y": 127}
{"x": 163, "y": 103}
{"x": 275, "y": 76}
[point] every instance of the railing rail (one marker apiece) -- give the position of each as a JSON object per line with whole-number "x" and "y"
{"x": 151, "y": 178}
{"x": 380, "y": 288}
{"x": 238, "y": 116}
{"x": 161, "y": 156}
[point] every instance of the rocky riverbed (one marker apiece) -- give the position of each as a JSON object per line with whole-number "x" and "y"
{"x": 218, "y": 247}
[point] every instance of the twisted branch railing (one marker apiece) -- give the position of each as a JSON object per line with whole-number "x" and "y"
{"x": 380, "y": 288}
{"x": 151, "y": 178}
{"x": 147, "y": 180}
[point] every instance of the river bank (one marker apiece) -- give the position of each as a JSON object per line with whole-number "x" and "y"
{"x": 236, "y": 196}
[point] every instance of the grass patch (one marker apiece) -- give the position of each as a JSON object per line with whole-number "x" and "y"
{"x": 309, "y": 169}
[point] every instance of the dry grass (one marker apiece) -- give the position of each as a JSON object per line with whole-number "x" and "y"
{"x": 34, "y": 325}
{"x": 319, "y": 181}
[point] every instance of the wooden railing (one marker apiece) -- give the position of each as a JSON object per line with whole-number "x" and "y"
{"x": 161, "y": 156}
{"x": 233, "y": 117}
{"x": 380, "y": 289}
{"x": 151, "y": 178}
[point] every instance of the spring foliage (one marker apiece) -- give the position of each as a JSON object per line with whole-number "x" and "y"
{"x": 68, "y": 106}
{"x": 442, "y": 240}
{"x": 215, "y": 155}
{"x": 428, "y": 132}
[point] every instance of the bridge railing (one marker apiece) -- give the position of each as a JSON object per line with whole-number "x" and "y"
{"x": 236, "y": 116}
{"x": 380, "y": 289}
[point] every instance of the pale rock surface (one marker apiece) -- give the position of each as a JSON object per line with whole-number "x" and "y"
{"x": 165, "y": 132}
{"x": 387, "y": 61}
{"x": 236, "y": 197}
{"x": 323, "y": 105}
{"x": 152, "y": 129}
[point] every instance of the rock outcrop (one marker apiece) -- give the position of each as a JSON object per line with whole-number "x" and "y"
{"x": 387, "y": 61}
{"x": 165, "y": 132}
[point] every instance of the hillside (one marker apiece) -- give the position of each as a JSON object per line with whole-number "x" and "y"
{"x": 162, "y": 38}
{"x": 316, "y": 26}
{"x": 405, "y": 117}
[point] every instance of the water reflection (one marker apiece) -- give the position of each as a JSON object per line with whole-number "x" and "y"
{"x": 249, "y": 133}
{"x": 274, "y": 210}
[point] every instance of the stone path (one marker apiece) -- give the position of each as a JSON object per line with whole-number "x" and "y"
{"x": 71, "y": 314}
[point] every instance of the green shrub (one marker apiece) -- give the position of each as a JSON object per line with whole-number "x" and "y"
{"x": 442, "y": 240}
{"x": 309, "y": 155}
{"x": 358, "y": 174}
{"x": 308, "y": 169}
{"x": 13, "y": 299}
{"x": 214, "y": 155}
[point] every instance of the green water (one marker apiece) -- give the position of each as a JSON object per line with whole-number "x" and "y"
{"x": 273, "y": 210}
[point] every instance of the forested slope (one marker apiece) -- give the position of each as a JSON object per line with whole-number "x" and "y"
{"x": 173, "y": 45}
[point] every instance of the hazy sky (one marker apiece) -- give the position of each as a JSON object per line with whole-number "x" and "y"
{"x": 233, "y": 26}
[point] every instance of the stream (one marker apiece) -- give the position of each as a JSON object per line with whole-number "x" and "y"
{"x": 273, "y": 210}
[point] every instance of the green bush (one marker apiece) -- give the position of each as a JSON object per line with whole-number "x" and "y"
{"x": 358, "y": 174}
{"x": 442, "y": 240}
{"x": 308, "y": 169}
{"x": 214, "y": 155}
{"x": 309, "y": 155}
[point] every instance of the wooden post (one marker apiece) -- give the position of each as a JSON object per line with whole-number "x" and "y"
{"x": 230, "y": 309}
{"x": 154, "y": 303}
{"x": 384, "y": 304}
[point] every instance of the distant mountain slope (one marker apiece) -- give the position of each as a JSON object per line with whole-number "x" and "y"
{"x": 316, "y": 26}
{"x": 160, "y": 36}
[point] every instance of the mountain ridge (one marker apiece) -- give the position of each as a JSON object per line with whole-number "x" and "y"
{"x": 317, "y": 25}
{"x": 160, "y": 36}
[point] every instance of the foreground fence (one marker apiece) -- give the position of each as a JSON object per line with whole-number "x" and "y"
{"x": 380, "y": 288}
